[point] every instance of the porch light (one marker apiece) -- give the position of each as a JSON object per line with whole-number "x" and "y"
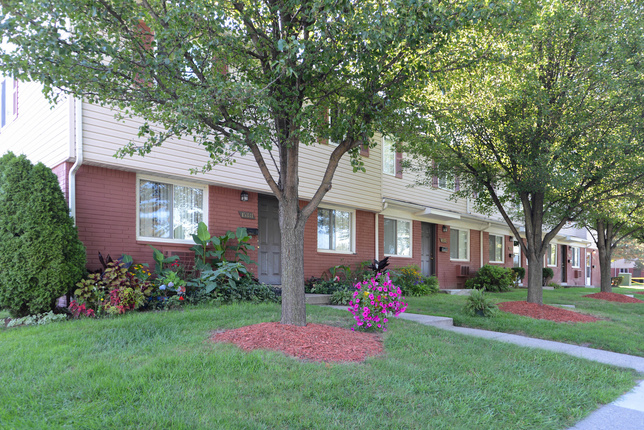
{"x": 244, "y": 196}
{"x": 444, "y": 229}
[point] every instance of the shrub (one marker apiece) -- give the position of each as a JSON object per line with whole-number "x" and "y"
{"x": 374, "y": 301}
{"x": 412, "y": 283}
{"x": 547, "y": 274}
{"x": 491, "y": 278}
{"x": 519, "y": 274}
{"x": 342, "y": 297}
{"x": 321, "y": 286}
{"x": 40, "y": 254}
{"x": 231, "y": 282}
{"x": 478, "y": 304}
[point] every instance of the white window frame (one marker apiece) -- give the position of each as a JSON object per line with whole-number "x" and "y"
{"x": 7, "y": 94}
{"x": 447, "y": 183}
{"x": 548, "y": 256}
{"x": 388, "y": 147}
{"x": 172, "y": 182}
{"x": 502, "y": 260}
{"x": 624, "y": 270}
{"x": 353, "y": 230}
{"x": 467, "y": 249}
{"x": 411, "y": 237}
{"x": 576, "y": 252}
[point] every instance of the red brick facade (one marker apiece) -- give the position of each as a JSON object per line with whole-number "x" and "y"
{"x": 106, "y": 210}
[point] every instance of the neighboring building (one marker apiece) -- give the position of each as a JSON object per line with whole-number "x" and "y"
{"x": 124, "y": 205}
{"x": 624, "y": 266}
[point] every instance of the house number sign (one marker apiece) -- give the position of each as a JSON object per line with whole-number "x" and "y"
{"x": 247, "y": 215}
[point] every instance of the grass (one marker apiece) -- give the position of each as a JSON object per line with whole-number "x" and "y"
{"x": 621, "y": 328}
{"x": 158, "y": 371}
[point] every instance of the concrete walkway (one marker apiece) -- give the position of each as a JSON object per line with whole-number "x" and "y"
{"x": 625, "y": 413}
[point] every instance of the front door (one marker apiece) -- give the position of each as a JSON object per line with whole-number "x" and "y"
{"x": 427, "y": 247}
{"x": 564, "y": 265}
{"x": 269, "y": 253}
{"x": 589, "y": 267}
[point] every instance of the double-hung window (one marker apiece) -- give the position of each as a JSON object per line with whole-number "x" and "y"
{"x": 447, "y": 182}
{"x": 170, "y": 210}
{"x": 335, "y": 230}
{"x": 551, "y": 255}
{"x": 388, "y": 156}
{"x": 576, "y": 257}
{"x": 397, "y": 238}
{"x": 459, "y": 248}
{"x": 496, "y": 249}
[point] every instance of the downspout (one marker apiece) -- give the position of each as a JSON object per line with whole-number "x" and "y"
{"x": 481, "y": 242}
{"x": 78, "y": 108}
{"x": 377, "y": 239}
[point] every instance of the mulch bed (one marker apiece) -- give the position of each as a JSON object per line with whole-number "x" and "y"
{"x": 614, "y": 297}
{"x": 314, "y": 342}
{"x": 639, "y": 292}
{"x": 544, "y": 312}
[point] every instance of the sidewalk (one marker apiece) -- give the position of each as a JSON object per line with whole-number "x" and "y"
{"x": 625, "y": 413}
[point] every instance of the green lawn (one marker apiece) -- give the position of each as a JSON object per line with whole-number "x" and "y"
{"x": 621, "y": 330}
{"x": 158, "y": 371}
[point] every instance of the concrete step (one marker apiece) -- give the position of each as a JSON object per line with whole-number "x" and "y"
{"x": 457, "y": 291}
{"x": 318, "y": 299}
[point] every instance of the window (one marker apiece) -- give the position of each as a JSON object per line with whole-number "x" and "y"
{"x": 623, "y": 270}
{"x": 551, "y": 255}
{"x": 496, "y": 249}
{"x": 516, "y": 254}
{"x": 397, "y": 237}
{"x": 335, "y": 230}
{"x": 576, "y": 256}
{"x": 388, "y": 156}
{"x": 170, "y": 211}
{"x": 447, "y": 183}
{"x": 8, "y": 101}
{"x": 459, "y": 244}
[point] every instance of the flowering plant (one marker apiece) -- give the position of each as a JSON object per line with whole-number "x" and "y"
{"x": 80, "y": 310}
{"x": 374, "y": 301}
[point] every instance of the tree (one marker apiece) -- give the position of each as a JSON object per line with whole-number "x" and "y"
{"x": 40, "y": 254}
{"x": 243, "y": 77}
{"x": 611, "y": 223}
{"x": 550, "y": 126}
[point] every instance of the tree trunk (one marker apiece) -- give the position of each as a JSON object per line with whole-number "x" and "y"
{"x": 535, "y": 278}
{"x": 604, "y": 270}
{"x": 292, "y": 248}
{"x": 603, "y": 242}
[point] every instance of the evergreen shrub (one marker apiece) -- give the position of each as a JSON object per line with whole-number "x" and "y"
{"x": 40, "y": 254}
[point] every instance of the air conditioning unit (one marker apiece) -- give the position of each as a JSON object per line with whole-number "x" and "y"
{"x": 462, "y": 270}
{"x": 577, "y": 273}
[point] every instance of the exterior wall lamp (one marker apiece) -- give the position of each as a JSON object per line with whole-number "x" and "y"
{"x": 244, "y": 196}
{"x": 444, "y": 229}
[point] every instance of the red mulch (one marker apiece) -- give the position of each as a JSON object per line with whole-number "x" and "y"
{"x": 314, "y": 342}
{"x": 544, "y": 312}
{"x": 614, "y": 297}
{"x": 639, "y": 292}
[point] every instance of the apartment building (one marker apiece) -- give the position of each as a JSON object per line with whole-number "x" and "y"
{"x": 124, "y": 205}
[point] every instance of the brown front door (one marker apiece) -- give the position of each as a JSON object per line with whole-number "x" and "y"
{"x": 269, "y": 253}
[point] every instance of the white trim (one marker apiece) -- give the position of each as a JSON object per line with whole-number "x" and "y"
{"x": 502, "y": 261}
{"x": 469, "y": 244}
{"x": 173, "y": 182}
{"x": 353, "y": 230}
{"x": 411, "y": 236}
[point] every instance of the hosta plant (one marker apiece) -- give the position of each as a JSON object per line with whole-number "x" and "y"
{"x": 374, "y": 302}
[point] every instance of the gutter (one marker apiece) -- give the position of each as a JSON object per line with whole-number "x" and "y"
{"x": 78, "y": 110}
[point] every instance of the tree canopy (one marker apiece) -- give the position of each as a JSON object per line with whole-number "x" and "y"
{"x": 550, "y": 125}
{"x": 256, "y": 77}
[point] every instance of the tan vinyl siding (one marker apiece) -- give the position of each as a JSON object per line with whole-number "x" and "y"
{"x": 103, "y": 136}
{"x": 40, "y": 131}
